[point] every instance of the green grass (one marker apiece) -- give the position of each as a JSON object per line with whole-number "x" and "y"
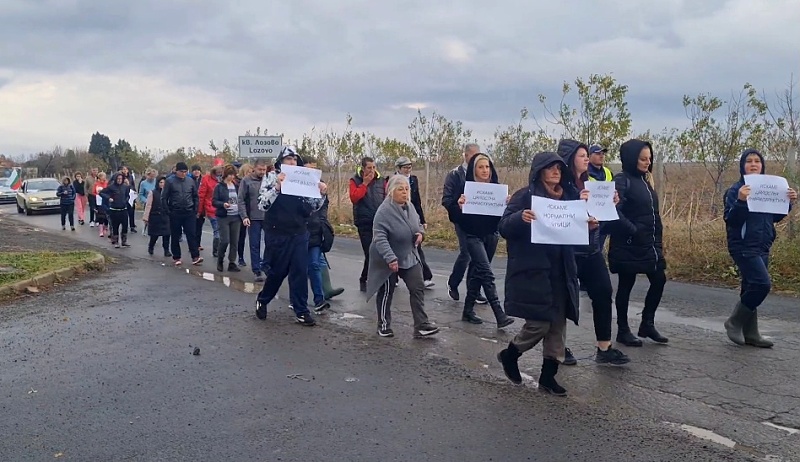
{"x": 30, "y": 264}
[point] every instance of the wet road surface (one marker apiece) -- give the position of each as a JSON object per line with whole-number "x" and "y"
{"x": 104, "y": 371}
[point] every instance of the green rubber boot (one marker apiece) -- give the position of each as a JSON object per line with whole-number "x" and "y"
{"x": 327, "y": 289}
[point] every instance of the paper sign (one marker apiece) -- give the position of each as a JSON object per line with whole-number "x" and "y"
{"x": 601, "y": 200}
{"x": 559, "y": 222}
{"x": 768, "y": 194}
{"x": 98, "y": 199}
{"x": 131, "y": 197}
{"x": 301, "y": 181}
{"x": 485, "y": 198}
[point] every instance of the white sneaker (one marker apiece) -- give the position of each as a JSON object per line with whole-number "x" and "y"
{"x": 429, "y": 284}
{"x": 91, "y": 224}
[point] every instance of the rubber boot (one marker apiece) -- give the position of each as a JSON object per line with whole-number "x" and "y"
{"x": 125, "y": 240}
{"x": 503, "y": 320}
{"x": 215, "y": 249}
{"x": 751, "y": 335}
{"x": 327, "y": 289}
{"x": 547, "y": 381}
{"x": 647, "y": 329}
{"x": 509, "y": 358}
{"x": 734, "y": 325}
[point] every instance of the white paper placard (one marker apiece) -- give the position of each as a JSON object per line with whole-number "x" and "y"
{"x": 559, "y": 222}
{"x": 98, "y": 199}
{"x": 485, "y": 198}
{"x": 601, "y": 200}
{"x": 768, "y": 194}
{"x": 301, "y": 181}
{"x": 131, "y": 197}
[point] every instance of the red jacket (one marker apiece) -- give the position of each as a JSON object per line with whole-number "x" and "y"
{"x": 207, "y": 185}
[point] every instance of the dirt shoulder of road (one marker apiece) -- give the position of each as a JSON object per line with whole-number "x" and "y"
{"x": 27, "y": 251}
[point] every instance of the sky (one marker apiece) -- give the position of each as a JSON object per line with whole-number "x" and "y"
{"x": 169, "y": 73}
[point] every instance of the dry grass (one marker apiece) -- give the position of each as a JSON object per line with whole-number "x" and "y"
{"x": 694, "y": 237}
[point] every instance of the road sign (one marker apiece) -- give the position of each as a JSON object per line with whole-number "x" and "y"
{"x": 260, "y": 146}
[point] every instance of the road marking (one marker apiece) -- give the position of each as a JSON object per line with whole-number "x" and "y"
{"x": 789, "y": 430}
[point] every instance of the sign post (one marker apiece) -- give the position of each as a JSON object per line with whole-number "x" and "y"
{"x": 251, "y": 147}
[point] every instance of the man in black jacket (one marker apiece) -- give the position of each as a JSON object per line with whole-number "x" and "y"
{"x": 404, "y": 167}
{"x": 180, "y": 201}
{"x": 453, "y": 184}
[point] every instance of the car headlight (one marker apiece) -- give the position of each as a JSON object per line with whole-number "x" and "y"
{"x": 35, "y": 199}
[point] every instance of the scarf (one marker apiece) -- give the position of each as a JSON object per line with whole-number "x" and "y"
{"x": 553, "y": 192}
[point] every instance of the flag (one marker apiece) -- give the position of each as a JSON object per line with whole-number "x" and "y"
{"x": 15, "y": 181}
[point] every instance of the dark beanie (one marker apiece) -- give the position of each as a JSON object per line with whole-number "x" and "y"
{"x": 181, "y": 166}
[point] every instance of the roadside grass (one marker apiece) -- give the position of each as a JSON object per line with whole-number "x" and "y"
{"x": 25, "y": 265}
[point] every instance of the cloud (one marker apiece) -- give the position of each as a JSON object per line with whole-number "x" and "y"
{"x": 173, "y": 73}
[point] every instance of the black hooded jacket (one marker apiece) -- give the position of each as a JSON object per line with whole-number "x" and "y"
{"x": 749, "y": 233}
{"x": 288, "y": 214}
{"x": 567, "y": 149}
{"x": 538, "y": 276}
{"x": 476, "y": 225}
{"x": 116, "y": 195}
{"x": 636, "y": 242}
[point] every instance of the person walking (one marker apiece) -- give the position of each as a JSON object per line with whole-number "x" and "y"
{"x": 91, "y": 192}
{"x": 242, "y": 170}
{"x": 393, "y": 253}
{"x": 116, "y": 196}
{"x": 480, "y": 232}
{"x": 541, "y": 285}
{"x": 252, "y": 216}
{"x": 319, "y": 233}
{"x": 131, "y": 208}
{"x": 403, "y": 167}
{"x": 156, "y": 219}
{"x": 180, "y": 201}
{"x": 599, "y": 172}
{"x": 367, "y": 192}
{"x": 208, "y": 185}
{"x": 66, "y": 198}
{"x": 636, "y": 246}
{"x": 100, "y": 208}
{"x": 286, "y": 249}
{"x": 453, "y": 184}
{"x": 750, "y": 236}
{"x": 225, "y": 203}
{"x": 591, "y": 264}
{"x": 81, "y": 201}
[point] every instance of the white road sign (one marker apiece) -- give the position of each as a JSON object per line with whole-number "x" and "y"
{"x": 260, "y": 146}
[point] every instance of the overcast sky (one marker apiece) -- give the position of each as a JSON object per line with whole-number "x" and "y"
{"x": 170, "y": 73}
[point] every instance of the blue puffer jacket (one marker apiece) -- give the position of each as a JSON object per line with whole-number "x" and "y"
{"x": 66, "y": 194}
{"x": 749, "y": 233}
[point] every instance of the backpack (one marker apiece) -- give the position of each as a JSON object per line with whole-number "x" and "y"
{"x": 327, "y": 236}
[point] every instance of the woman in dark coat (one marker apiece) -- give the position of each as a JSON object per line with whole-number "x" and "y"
{"x": 156, "y": 220}
{"x": 636, "y": 243}
{"x": 541, "y": 283}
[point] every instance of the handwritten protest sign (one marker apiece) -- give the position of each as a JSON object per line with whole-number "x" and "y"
{"x": 768, "y": 194}
{"x": 601, "y": 200}
{"x": 485, "y": 198}
{"x": 559, "y": 222}
{"x": 131, "y": 196}
{"x": 301, "y": 181}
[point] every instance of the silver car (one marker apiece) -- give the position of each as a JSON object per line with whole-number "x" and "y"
{"x": 38, "y": 195}
{"x": 7, "y": 195}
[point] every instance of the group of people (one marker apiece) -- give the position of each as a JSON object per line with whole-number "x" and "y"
{"x": 542, "y": 281}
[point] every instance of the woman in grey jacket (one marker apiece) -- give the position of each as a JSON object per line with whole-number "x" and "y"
{"x": 397, "y": 233}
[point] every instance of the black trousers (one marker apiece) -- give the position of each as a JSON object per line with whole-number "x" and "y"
{"x": 241, "y": 243}
{"x": 164, "y": 243}
{"x": 132, "y": 215}
{"x": 119, "y": 219}
{"x": 68, "y": 210}
{"x": 658, "y": 279}
{"x": 92, "y": 207}
{"x": 198, "y": 231}
{"x": 593, "y": 274}
{"x": 365, "y": 236}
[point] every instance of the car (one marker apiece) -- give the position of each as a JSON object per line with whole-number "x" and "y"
{"x": 38, "y": 195}
{"x": 7, "y": 195}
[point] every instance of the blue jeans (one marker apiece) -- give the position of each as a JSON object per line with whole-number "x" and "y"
{"x": 756, "y": 282}
{"x": 288, "y": 257}
{"x": 255, "y": 233}
{"x": 315, "y": 263}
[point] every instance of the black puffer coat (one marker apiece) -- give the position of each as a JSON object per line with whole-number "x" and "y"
{"x": 636, "y": 244}
{"x": 533, "y": 270}
{"x": 158, "y": 220}
{"x": 315, "y": 223}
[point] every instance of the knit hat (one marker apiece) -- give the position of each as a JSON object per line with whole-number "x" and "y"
{"x": 181, "y": 166}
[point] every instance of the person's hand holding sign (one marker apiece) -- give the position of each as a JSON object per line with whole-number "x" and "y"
{"x": 461, "y": 201}
{"x": 616, "y": 197}
{"x": 281, "y": 177}
{"x": 528, "y": 215}
{"x": 744, "y": 193}
{"x": 593, "y": 223}
{"x": 792, "y": 195}
{"x": 323, "y": 188}
{"x": 585, "y": 195}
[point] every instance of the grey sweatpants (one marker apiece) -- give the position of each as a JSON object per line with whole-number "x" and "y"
{"x": 416, "y": 291}
{"x": 228, "y": 235}
{"x": 553, "y": 333}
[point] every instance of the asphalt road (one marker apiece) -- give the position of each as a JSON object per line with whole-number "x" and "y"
{"x": 104, "y": 371}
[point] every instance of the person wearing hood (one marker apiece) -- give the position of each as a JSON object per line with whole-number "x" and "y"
{"x": 481, "y": 242}
{"x": 156, "y": 219}
{"x": 592, "y": 269}
{"x": 367, "y": 192}
{"x": 636, "y": 245}
{"x": 180, "y": 201}
{"x": 116, "y": 196}
{"x": 393, "y": 254}
{"x": 66, "y": 197}
{"x": 130, "y": 179}
{"x": 206, "y": 207}
{"x": 403, "y": 167}
{"x": 286, "y": 247}
{"x": 750, "y": 237}
{"x": 541, "y": 283}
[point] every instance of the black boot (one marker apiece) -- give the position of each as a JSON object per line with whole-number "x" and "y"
{"x": 547, "y": 381}
{"x": 115, "y": 241}
{"x": 220, "y": 266}
{"x": 503, "y": 320}
{"x": 233, "y": 267}
{"x": 751, "y": 335}
{"x": 150, "y": 249}
{"x": 647, "y": 329}
{"x": 215, "y": 249}
{"x": 125, "y": 240}
{"x": 468, "y": 315}
{"x": 734, "y": 325}
{"x": 627, "y": 338}
{"x": 509, "y": 359}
